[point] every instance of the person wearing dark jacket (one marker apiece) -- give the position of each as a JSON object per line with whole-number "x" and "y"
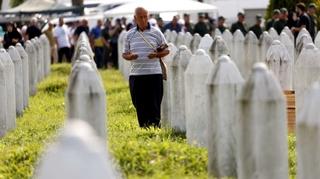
{"x": 275, "y": 18}
{"x": 201, "y": 27}
{"x": 239, "y": 24}
{"x": 33, "y": 30}
{"x": 282, "y": 22}
{"x": 256, "y": 29}
{"x": 313, "y": 20}
{"x": 12, "y": 36}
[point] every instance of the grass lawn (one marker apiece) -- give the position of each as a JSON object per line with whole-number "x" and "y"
{"x": 140, "y": 153}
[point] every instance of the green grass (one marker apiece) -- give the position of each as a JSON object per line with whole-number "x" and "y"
{"x": 140, "y": 153}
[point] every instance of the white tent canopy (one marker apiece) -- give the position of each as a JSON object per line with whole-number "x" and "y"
{"x": 37, "y": 5}
{"x": 159, "y": 6}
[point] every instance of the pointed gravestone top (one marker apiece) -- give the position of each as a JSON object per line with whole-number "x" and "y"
{"x": 288, "y": 32}
{"x": 173, "y": 37}
{"x": 265, "y": 38}
{"x": 227, "y": 35}
{"x": 188, "y": 39}
{"x": 225, "y": 72}
{"x": 78, "y": 153}
{"x": 217, "y": 32}
{"x": 180, "y": 39}
{"x": 238, "y": 36}
{"x": 251, "y": 37}
{"x": 195, "y": 42}
{"x": 206, "y": 42}
{"x": 274, "y": 34}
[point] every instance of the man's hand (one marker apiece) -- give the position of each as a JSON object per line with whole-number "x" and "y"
{"x": 153, "y": 55}
{"x": 129, "y": 56}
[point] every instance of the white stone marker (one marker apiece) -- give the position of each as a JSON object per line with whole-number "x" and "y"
{"x": 317, "y": 40}
{"x": 196, "y": 101}
{"x": 86, "y": 97}
{"x": 15, "y": 57}
{"x": 252, "y": 53}
{"x": 166, "y": 99}
{"x": 36, "y": 45}
{"x": 289, "y": 33}
{"x": 195, "y": 42}
{"x": 218, "y": 48}
{"x": 33, "y": 73}
{"x": 167, "y": 34}
{"x": 302, "y": 41}
{"x": 228, "y": 38}
{"x": 25, "y": 72}
{"x": 206, "y": 43}
{"x": 3, "y": 100}
{"x": 180, "y": 39}
{"x": 173, "y": 37}
{"x": 281, "y": 64}
{"x": 306, "y": 72}
{"x": 308, "y": 134}
{"x": 185, "y": 56}
{"x": 265, "y": 42}
{"x": 217, "y": 32}
{"x": 77, "y": 153}
{"x": 274, "y": 34}
{"x": 239, "y": 50}
{"x": 10, "y": 86}
{"x": 41, "y": 60}
{"x": 46, "y": 54}
{"x": 121, "y": 40}
{"x": 188, "y": 39}
{"x": 262, "y": 147}
{"x": 288, "y": 43}
{"x": 223, "y": 84}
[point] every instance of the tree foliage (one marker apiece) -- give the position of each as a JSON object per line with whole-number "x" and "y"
{"x": 15, "y": 3}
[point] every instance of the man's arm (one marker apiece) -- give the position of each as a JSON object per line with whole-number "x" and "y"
{"x": 129, "y": 56}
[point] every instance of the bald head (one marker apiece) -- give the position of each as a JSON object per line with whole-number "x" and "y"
{"x": 141, "y": 18}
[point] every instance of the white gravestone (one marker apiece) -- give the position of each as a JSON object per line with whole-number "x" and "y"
{"x": 228, "y": 38}
{"x": 218, "y": 48}
{"x": 25, "y": 72}
{"x": 252, "y": 53}
{"x": 184, "y": 55}
{"x": 38, "y": 58}
{"x": 206, "y": 43}
{"x": 317, "y": 40}
{"x": 177, "y": 120}
{"x": 196, "y": 102}
{"x": 274, "y": 34}
{"x": 33, "y": 73}
{"x": 195, "y": 42}
{"x": 238, "y": 50}
{"x": 262, "y": 128}
{"x": 223, "y": 84}
{"x": 306, "y": 72}
{"x": 3, "y": 100}
{"x": 188, "y": 39}
{"x": 10, "y": 88}
{"x": 77, "y": 153}
{"x": 281, "y": 64}
{"x": 288, "y": 43}
{"x": 173, "y": 37}
{"x": 217, "y": 32}
{"x": 301, "y": 42}
{"x": 308, "y": 134}
{"x": 46, "y": 54}
{"x": 86, "y": 98}
{"x": 165, "y": 104}
{"x": 289, "y": 33}
{"x": 41, "y": 60}
{"x": 265, "y": 41}
{"x": 15, "y": 57}
{"x": 180, "y": 39}
{"x": 167, "y": 34}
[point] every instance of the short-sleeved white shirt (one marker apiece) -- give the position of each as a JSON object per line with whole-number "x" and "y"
{"x": 61, "y": 33}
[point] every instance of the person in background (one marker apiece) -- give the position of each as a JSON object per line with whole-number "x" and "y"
{"x": 312, "y": 9}
{"x": 98, "y": 46}
{"x": 173, "y": 25}
{"x": 275, "y": 17}
{"x": 239, "y": 24}
{"x": 1, "y": 34}
{"x": 201, "y": 27}
{"x": 256, "y": 29}
{"x": 221, "y": 25}
{"x": 33, "y": 30}
{"x": 12, "y": 36}
{"x": 62, "y": 40}
{"x": 292, "y": 20}
{"x": 106, "y": 43}
{"x": 160, "y": 24}
{"x": 83, "y": 27}
{"x": 72, "y": 28}
{"x": 188, "y": 26}
{"x": 49, "y": 33}
{"x": 282, "y": 22}
{"x": 303, "y": 21}
{"x": 114, "y": 33}
{"x": 145, "y": 80}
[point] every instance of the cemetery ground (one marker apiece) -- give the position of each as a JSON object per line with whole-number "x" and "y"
{"x": 139, "y": 153}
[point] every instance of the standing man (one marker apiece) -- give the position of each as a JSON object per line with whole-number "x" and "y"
{"x": 61, "y": 35}
{"x": 33, "y": 30}
{"x": 312, "y": 9}
{"x": 146, "y": 85}
{"x": 275, "y": 17}
{"x": 201, "y": 27}
{"x": 282, "y": 22}
{"x": 96, "y": 38}
{"x": 173, "y": 25}
{"x": 239, "y": 24}
{"x": 256, "y": 29}
{"x": 188, "y": 26}
{"x": 221, "y": 25}
{"x": 303, "y": 21}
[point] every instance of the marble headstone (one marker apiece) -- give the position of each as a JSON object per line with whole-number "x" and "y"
{"x": 33, "y": 73}
{"x": 25, "y": 72}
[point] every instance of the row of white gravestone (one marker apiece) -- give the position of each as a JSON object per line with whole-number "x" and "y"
{"x": 80, "y": 150}
{"x": 19, "y": 77}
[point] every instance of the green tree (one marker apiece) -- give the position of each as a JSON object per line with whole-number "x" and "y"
{"x": 15, "y": 3}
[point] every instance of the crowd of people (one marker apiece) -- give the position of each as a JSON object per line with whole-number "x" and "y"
{"x": 104, "y": 35}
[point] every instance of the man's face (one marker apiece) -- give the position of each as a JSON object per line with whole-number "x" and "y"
{"x": 221, "y": 22}
{"x": 298, "y": 11}
{"x": 141, "y": 19}
{"x": 312, "y": 10}
{"x": 99, "y": 23}
{"x": 174, "y": 20}
{"x": 241, "y": 18}
{"x": 61, "y": 21}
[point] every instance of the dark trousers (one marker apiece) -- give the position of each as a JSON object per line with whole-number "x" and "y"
{"x": 98, "y": 56}
{"x": 64, "y": 51}
{"x": 146, "y": 94}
